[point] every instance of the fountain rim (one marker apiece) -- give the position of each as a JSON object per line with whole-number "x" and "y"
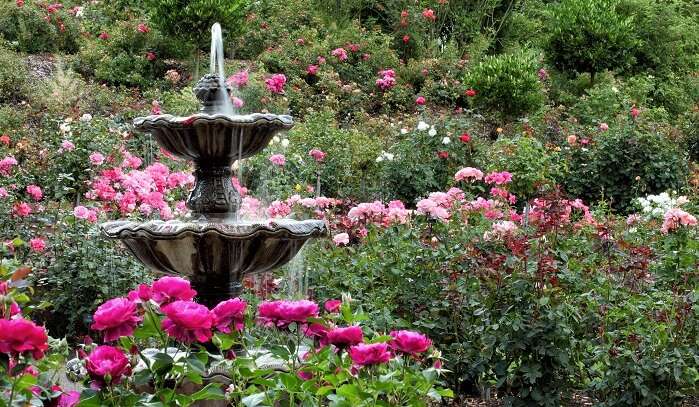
{"x": 283, "y": 228}
{"x": 284, "y": 122}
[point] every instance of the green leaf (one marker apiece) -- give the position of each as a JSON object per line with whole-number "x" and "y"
{"x": 349, "y": 391}
{"x": 211, "y": 391}
{"x": 89, "y": 398}
{"x": 254, "y": 400}
{"x": 162, "y": 363}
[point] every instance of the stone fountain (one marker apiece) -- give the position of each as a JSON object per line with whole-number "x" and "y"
{"x": 214, "y": 248}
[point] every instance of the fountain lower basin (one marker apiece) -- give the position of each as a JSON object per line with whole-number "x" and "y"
{"x": 214, "y": 254}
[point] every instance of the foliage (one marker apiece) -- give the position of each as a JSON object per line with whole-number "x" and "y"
{"x": 536, "y": 167}
{"x": 14, "y": 83}
{"x": 126, "y": 54}
{"x": 37, "y": 27}
{"x": 627, "y": 161}
{"x": 507, "y": 84}
{"x": 191, "y": 21}
{"x": 590, "y": 36}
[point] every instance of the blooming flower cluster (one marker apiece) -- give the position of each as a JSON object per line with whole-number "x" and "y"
{"x": 275, "y": 83}
{"x": 386, "y": 80}
{"x": 130, "y": 189}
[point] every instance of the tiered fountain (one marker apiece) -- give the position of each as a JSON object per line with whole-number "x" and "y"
{"x": 214, "y": 248}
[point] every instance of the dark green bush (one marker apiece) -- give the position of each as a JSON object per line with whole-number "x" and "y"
{"x": 14, "y": 82}
{"x": 83, "y": 271}
{"x": 629, "y": 160}
{"x": 33, "y": 29}
{"x": 123, "y": 57}
{"x": 507, "y": 85}
{"x": 536, "y": 168}
{"x": 590, "y": 37}
{"x": 349, "y": 169}
{"x": 191, "y": 21}
{"x": 669, "y": 32}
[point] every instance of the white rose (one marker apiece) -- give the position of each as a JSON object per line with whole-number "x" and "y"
{"x": 446, "y": 140}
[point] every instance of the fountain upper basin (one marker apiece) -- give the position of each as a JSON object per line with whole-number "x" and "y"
{"x": 214, "y": 139}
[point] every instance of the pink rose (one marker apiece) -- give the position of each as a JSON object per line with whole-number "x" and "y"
{"x": 20, "y": 336}
{"x": 282, "y": 313}
{"x": 188, "y": 321}
{"x": 429, "y": 14}
{"x": 369, "y": 354}
{"x": 420, "y": 101}
{"x": 340, "y": 54}
{"x": 35, "y": 192}
{"x": 70, "y": 399}
{"x": 409, "y": 342}
{"x": 275, "y": 83}
{"x": 107, "y": 365}
{"x": 498, "y": 178}
{"x": 239, "y": 79}
{"x": 230, "y": 312}
{"x": 37, "y": 244}
{"x": 67, "y": 145}
{"x": 168, "y": 289}
{"x": 237, "y": 102}
{"x": 332, "y": 305}
{"x": 317, "y": 155}
{"x": 141, "y": 294}
{"x": 96, "y": 158}
{"x": 116, "y": 318}
{"x": 345, "y": 337}
{"x": 312, "y": 69}
{"x": 142, "y": 28}
{"x": 341, "y": 239}
{"x": 277, "y": 159}
{"x": 103, "y": 36}
{"x": 22, "y": 209}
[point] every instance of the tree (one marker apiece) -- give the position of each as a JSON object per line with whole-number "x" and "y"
{"x": 590, "y": 36}
{"x": 191, "y": 20}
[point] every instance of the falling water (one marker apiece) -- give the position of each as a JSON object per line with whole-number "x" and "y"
{"x": 216, "y": 63}
{"x": 295, "y": 276}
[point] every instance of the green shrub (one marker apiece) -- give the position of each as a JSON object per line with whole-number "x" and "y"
{"x": 126, "y": 57}
{"x": 14, "y": 82}
{"x": 191, "y": 21}
{"x": 33, "y": 29}
{"x": 669, "y": 31}
{"x": 627, "y": 161}
{"x": 416, "y": 168}
{"x": 349, "y": 169}
{"x": 535, "y": 167}
{"x": 590, "y": 36}
{"x": 507, "y": 84}
{"x": 86, "y": 271}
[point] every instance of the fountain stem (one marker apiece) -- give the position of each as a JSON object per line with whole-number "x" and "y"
{"x": 213, "y": 195}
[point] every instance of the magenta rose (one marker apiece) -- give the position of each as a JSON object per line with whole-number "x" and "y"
{"x": 316, "y": 330}
{"x": 19, "y": 336}
{"x": 332, "y": 305}
{"x": 369, "y": 354}
{"x": 116, "y": 318}
{"x": 107, "y": 365}
{"x": 188, "y": 321}
{"x": 409, "y": 342}
{"x": 230, "y": 312}
{"x": 70, "y": 399}
{"x": 345, "y": 337}
{"x": 169, "y": 289}
{"x": 140, "y": 294}
{"x": 282, "y": 313}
